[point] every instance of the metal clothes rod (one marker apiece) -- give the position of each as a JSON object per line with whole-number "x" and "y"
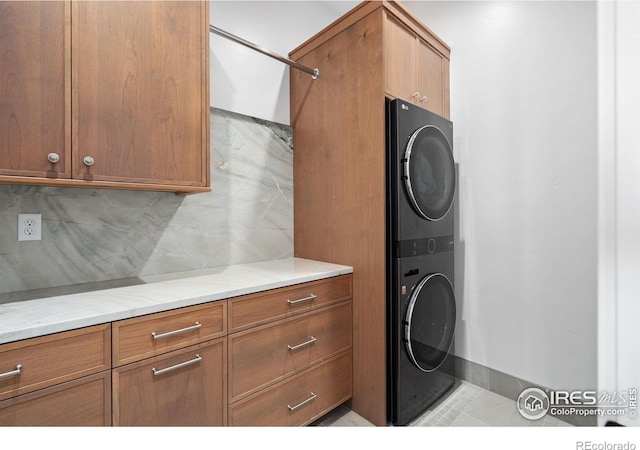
{"x": 315, "y": 73}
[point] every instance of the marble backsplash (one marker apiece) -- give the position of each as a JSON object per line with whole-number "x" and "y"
{"x": 95, "y": 235}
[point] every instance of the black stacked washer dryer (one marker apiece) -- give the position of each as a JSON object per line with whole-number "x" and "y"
{"x": 421, "y": 182}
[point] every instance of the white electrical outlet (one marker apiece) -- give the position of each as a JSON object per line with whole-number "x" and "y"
{"x": 29, "y": 227}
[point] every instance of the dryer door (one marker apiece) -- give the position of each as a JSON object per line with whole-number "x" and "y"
{"x": 429, "y": 172}
{"x": 430, "y": 322}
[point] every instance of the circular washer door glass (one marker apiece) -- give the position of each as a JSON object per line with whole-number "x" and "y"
{"x": 430, "y": 322}
{"x": 430, "y": 172}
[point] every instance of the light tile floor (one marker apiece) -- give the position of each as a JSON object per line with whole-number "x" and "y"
{"x": 465, "y": 405}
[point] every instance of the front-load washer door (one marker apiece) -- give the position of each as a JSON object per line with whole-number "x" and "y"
{"x": 430, "y": 322}
{"x": 429, "y": 172}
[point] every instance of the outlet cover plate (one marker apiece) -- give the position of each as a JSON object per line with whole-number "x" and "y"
{"x": 29, "y": 227}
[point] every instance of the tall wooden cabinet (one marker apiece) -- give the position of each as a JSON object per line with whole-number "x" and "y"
{"x": 105, "y": 94}
{"x": 376, "y": 51}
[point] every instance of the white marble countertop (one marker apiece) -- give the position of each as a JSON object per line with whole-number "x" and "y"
{"x": 40, "y": 316}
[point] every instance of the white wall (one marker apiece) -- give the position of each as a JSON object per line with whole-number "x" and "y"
{"x": 607, "y": 220}
{"x": 248, "y": 82}
{"x": 524, "y": 107}
{"x": 628, "y": 195}
{"x": 619, "y": 309}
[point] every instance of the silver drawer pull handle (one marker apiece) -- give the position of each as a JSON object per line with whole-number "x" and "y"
{"x": 310, "y": 399}
{"x": 295, "y": 347}
{"x": 195, "y": 360}
{"x": 300, "y": 300}
{"x": 173, "y": 333}
{"x": 13, "y": 373}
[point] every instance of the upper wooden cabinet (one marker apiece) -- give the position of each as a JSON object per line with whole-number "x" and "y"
{"x": 126, "y": 94}
{"x": 138, "y": 91}
{"x": 416, "y": 66}
{"x": 34, "y": 87}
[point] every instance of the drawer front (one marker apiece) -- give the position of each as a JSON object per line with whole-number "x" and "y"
{"x": 143, "y": 337}
{"x": 84, "y": 402}
{"x": 257, "y": 309}
{"x": 299, "y": 400}
{"x": 270, "y": 353}
{"x": 181, "y": 388}
{"x": 53, "y": 359}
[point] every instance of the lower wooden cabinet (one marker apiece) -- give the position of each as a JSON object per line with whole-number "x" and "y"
{"x": 287, "y": 363}
{"x": 82, "y": 402}
{"x": 151, "y": 335}
{"x": 63, "y": 379}
{"x": 182, "y": 388}
{"x": 37, "y": 363}
{"x": 300, "y": 399}
{"x": 272, "y": 352}
{"x": 290, "y": 371}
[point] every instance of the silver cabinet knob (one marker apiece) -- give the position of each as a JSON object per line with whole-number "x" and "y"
{"x": 88, "y": 161}
{"x": 424, "y": 99}
{"x": 53, "y": 158}
{"x": 416, "y": 94}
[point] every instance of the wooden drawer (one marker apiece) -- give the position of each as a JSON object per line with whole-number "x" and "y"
{"x": 84, "y": 402}
{"x": 299, "y": 400}
{"x": 192, "y": 392}
{"x": 54, "y": 359}
{"x": 146, "y": 336}
{"x": 269, "y": 353}
{"x": 257, "y": 309}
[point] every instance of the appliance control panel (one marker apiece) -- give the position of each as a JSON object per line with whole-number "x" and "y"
{"x": 419, "y": 247}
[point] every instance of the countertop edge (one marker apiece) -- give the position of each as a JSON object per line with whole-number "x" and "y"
{"x": 40, "y": 317}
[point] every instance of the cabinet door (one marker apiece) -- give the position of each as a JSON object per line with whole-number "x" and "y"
{"x": 182, "y": 388}
{"x": 82, "y": 402}
{"x": 140, "y": 102}
{"x": 256, "y": 309}
{"x": 431, "y": 78}
{"x": 270, "y": 353}
{"x": 300, "y": 399}
{"x": 34, "y": 82}
{"x": 400, "y": 61}
{"x": 151, "y": 335}
{"x": 53, "y": 359}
